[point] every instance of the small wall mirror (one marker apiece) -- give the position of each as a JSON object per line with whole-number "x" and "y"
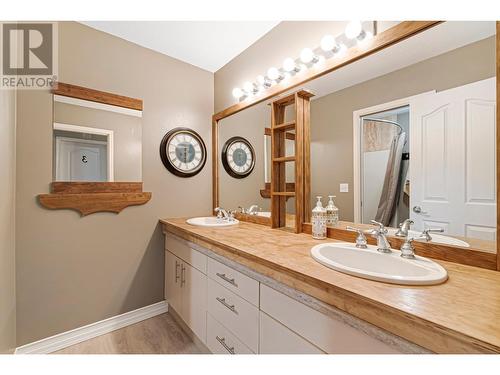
{"x": 95, "y": 142}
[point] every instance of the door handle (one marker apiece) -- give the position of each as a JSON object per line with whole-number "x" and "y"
{"x": 418, "y": 210}
{"x": 176, "y": 269}
{"x": 183, "y": 275}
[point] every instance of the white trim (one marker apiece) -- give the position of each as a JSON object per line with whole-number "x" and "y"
{"x": 77, "y": 335}
{"x": 95, "y": 105}
{"x": 356, "y": 121}
{"x": 85, "y": 129}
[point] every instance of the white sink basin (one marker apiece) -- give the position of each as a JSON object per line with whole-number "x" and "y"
{"x": 436, "y": 238}
{"x": 211, "y": 221}
{"x": 370, "y": 264}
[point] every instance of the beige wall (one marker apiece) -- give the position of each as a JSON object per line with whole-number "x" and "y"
{"x": 7, "y": 221}
{"x": 72, "y": 271}
{"x": 331, "y": 115}
{"x": 287, "y": 39}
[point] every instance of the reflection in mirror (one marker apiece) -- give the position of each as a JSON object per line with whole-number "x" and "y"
{"x": 409, "y": 133}
{"x": 96, "y": 142}
{"x": 245, "y": 192}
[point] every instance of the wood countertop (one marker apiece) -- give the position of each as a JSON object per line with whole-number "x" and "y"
{"x": 460, "y": 316}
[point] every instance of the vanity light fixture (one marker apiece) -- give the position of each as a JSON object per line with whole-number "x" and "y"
{"x": 290, "y": 66}
{"x": 250, "y": 88}
{"x": 238, "y": 93}
{"x": 264, "y": 82}
{"x": 330, "y": 44}
{"x": 274, "y": 74}
{"x": 307, "y": 56}
{"x": 354, "y": 30}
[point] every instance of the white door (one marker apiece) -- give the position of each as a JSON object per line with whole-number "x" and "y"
{"x": 453, "y": 160}
{"x": 80, "y": 160}
{"x": 194, "y": 300}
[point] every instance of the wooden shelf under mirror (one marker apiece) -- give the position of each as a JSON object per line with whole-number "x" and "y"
{"x": 91, "y": 197}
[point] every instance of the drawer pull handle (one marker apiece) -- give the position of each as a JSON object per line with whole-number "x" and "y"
{"x": 222, "y": 341}
{"x": 223, "y": 302}
{"x": 227, "y": 279}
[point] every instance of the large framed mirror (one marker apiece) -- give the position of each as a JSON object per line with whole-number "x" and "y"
{"x": 407, "y": 134}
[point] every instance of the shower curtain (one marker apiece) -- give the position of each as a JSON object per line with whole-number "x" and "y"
{"x": 392, "y": 187}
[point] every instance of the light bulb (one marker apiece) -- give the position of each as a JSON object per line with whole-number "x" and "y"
{"x": 249, "y": 87}
{"x": 328, "y": 43}
{"x": 307, "y": 55}
{"x": 237, "y": 92}
{"x": 289, "y": 65}
{"x": 353, "y": 29}
{"x": 263, "y": 81}
{"x": 273, "y": 73}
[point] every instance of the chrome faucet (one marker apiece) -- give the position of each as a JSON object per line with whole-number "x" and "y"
{"x": 404, "y": 227}
{"x": 425, "y": 234}
{"x": 253, "y": 209}
{"x": 383, "y": 244}
{"x": 360, "y": 239}
{"x": 224, "y": 214}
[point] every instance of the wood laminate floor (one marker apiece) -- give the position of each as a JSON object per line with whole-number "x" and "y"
{"x": 157, "y": 335}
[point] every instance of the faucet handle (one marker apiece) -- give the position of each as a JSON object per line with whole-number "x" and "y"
{"x": 361, "y": 242}
{"x": 425, "y": 234}
{"x": 381, "y": 227}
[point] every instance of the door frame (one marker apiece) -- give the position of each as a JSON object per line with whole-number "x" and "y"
{"x": 358, "y": 132}
{"x": 95, "y": 131}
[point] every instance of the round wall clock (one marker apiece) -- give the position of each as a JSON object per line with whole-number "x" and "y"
{"x": 183, "y": 152}
{"x": 238, "y": 157}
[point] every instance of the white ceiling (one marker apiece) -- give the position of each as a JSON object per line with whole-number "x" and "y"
{"x": 208, "y": 45}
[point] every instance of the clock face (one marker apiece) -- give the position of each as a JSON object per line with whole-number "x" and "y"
{"x": 238, "y": 157}
{"x": 183, "y": 152}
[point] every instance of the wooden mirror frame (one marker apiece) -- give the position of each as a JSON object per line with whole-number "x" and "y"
{"x": 380, "y": 41}
{"x": 92, "y": 197}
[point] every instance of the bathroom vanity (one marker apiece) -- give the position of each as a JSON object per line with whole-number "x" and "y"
{"x": 251, "y": 289}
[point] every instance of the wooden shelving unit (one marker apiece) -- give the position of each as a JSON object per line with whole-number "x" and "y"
{"x": 279, "y": 128}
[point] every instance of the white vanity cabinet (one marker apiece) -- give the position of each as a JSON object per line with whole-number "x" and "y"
{"x": 234, "y": 311}
{"x": 186, "y": 292}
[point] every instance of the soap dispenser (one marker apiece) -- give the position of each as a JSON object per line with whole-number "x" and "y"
{"x": 332, "y": 212}
{"x": 319, "y": 220}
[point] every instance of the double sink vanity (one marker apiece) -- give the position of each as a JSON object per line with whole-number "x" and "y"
{"x": 406, "y": 259}
{"x": 252, "y": 289}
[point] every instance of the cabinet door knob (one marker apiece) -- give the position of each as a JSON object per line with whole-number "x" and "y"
{"x": 176, "y": 269}
{"x": 227, "y": 305}
{"x": 226, "y": 279}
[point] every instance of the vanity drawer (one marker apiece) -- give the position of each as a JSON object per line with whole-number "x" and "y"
{"x": 182, "y": 250}
{"x": 275, "y": 338}
{"x": 328, "y": 334}
{"x": 236, "y": 314}
{"x": 221, "y": 341}
{"x": 235, "y": 281}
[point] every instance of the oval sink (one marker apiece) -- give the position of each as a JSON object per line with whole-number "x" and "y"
{"x": 437, "y": 238}
{"x": 370, "y": 264}
{"x": 211, "y": 221}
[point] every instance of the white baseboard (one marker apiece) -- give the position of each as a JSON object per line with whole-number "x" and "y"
{"x": 77, "y": 335}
